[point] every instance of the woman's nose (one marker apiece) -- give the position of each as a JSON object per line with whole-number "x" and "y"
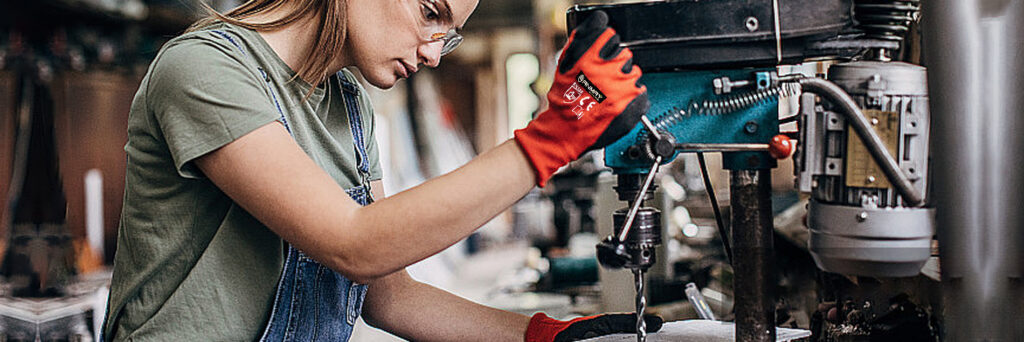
{"x": 430, "y": 53}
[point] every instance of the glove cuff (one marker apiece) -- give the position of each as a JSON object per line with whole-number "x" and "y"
{"x": 544, "y": 150}
{"x": 543, "y": 328}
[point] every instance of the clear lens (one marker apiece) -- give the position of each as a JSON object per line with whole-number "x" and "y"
{"x": 451, "y": 41}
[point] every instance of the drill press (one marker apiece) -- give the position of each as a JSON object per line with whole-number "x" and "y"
{"x": 710, "y": 70}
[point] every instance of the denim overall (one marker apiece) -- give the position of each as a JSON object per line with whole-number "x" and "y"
{"x": 314, "y": 303}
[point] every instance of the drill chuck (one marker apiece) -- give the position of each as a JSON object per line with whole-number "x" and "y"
{"x": 644, "y": 236}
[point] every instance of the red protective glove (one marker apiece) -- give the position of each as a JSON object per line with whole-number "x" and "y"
{"x": 546, "y": 329}
{"x": 596, "y": 98}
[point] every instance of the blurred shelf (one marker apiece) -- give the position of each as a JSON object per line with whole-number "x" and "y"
{"x": 170, "y": 18}
{"x": 161, "y": 17}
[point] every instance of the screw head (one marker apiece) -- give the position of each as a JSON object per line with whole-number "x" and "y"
{"x": 871, "y": 179}
{"x": 752, "y": 24}
{"x": 874, "y": 121}
{"x": 750, "y": 127}
{"x": 862, "y": 216}
{"x": 633, "y": 152}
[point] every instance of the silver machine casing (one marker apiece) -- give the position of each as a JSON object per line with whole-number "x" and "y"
{"x": 858, "y": 224}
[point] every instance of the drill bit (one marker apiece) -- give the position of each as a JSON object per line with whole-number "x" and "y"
{"x": 641, "y": 305}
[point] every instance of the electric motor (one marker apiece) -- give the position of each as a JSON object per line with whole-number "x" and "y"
{"x": 859, "y": 224}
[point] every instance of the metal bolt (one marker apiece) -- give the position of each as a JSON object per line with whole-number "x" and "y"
{"x": 724, "y": 85}
{"x": 862, "y": 216}
{"x": 752, "y": 24}
{"x": 874, "y": 121}
{"x": 871, "y": 179}
{"x": 721, "y": 86}
{"x": 750, "y": 127}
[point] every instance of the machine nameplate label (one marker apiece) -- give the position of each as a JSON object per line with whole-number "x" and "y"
{"x": 861, "y": 169}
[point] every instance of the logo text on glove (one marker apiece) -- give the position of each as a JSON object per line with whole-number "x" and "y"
{"x": 582, "y": 80}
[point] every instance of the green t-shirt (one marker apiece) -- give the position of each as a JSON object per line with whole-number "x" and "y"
{"x": 191, "y": 265}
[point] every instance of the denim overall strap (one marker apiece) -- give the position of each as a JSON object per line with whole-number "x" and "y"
{"x": 355, "y": 122}
{"x": 312, "y": 302}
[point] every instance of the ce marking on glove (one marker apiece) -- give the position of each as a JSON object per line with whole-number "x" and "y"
{"x": 583, "y": 107}
{"x": 572, "y": 95}
{"x": 576, "y": 89}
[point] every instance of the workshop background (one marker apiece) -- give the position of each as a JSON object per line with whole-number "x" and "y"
{"x": 70, "y": 68}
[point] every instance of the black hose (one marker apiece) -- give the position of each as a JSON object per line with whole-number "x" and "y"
{"x": 856, "y": 119}
{"x": 714, "y": 206}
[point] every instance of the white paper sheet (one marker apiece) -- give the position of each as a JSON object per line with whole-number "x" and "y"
{"x": 698, "y": 330}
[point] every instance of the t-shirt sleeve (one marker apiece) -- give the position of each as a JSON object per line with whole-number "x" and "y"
{"x": 204, "y": 96}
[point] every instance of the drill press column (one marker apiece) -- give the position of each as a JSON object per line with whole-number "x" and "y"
{"x": 753, "y": 261}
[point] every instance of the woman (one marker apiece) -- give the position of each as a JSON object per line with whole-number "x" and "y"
{"x": 252, "y": 168}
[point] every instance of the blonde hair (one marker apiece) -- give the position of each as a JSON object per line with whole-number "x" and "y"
{"x": 328, "y": 42}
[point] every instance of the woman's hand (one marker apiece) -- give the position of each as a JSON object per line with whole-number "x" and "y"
{"x": 546, "y": 329}
{"x": 596, "y": 99}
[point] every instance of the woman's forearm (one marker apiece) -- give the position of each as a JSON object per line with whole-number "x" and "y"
{"x": 420, "y": 312}
{"x": 270, "y": 176}
{"x": 428, "y": 218}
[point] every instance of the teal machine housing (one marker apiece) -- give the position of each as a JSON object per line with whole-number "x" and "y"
{"x": 684, "y": 104}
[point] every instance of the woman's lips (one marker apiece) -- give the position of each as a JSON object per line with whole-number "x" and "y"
{"x": 406, "y": 69}
{"x": 402, "y": 71}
